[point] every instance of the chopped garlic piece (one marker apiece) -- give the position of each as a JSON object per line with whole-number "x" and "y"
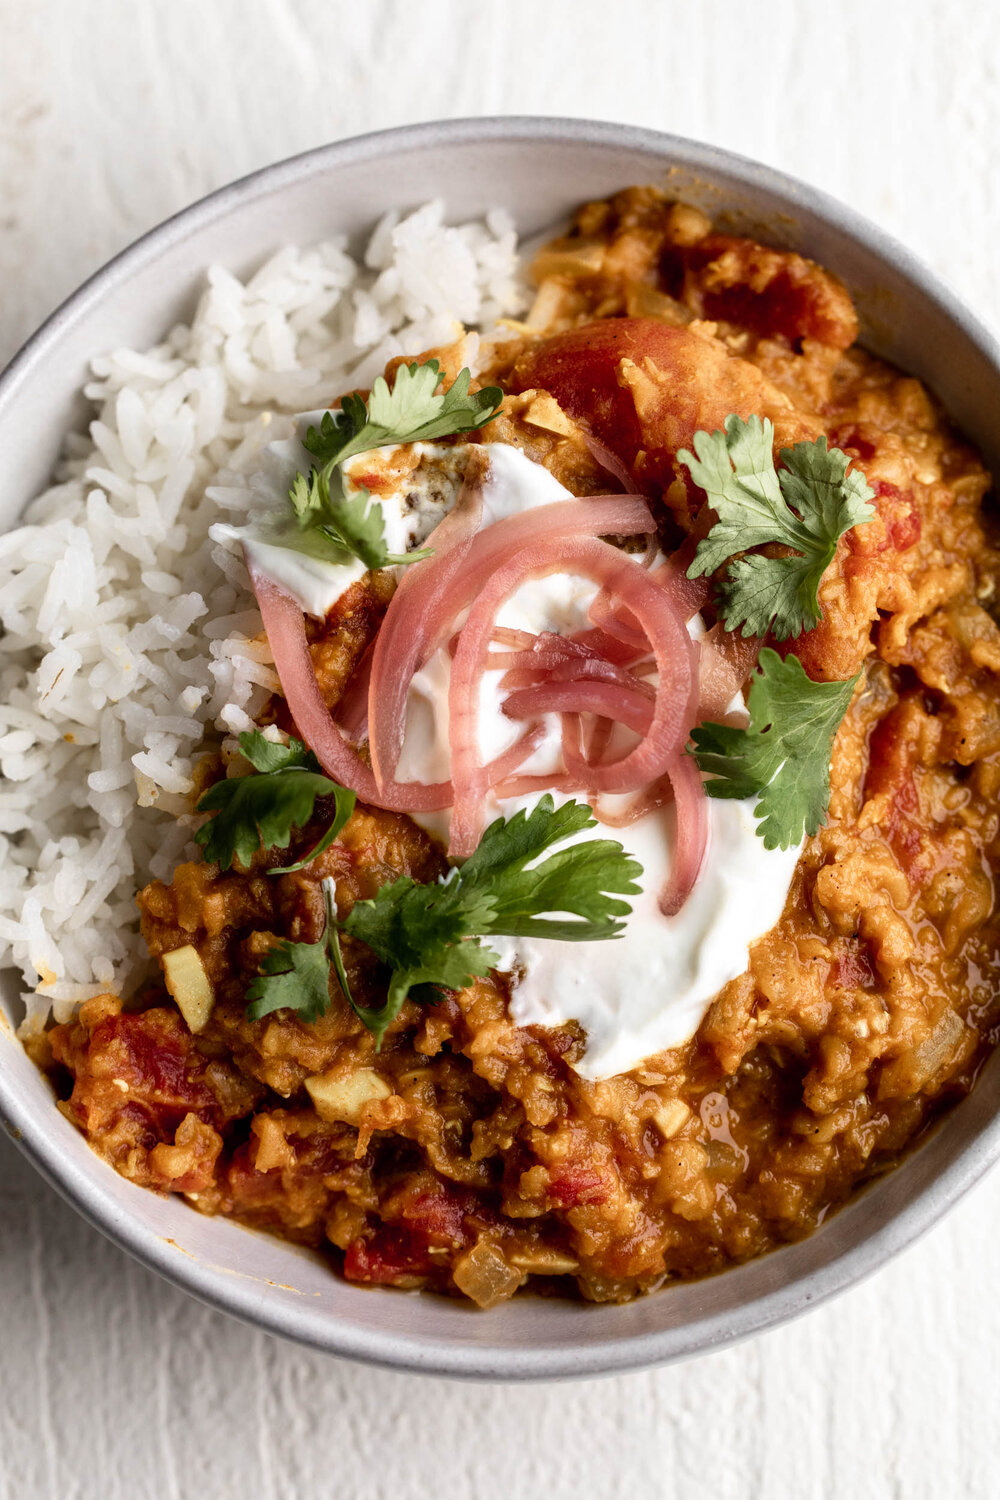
{"x": 543, "y": 1262}
{"x": 344, "y": 1098}
{"x": 190, "y": 986}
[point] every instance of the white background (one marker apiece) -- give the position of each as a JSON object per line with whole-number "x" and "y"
{"x": 116, "y": 113}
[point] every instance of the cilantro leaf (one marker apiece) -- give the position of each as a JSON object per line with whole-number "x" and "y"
{"x": 783, "y": 756}
{"x": 268, "y": 756}
{"x": 404, "y": 919}
{"x": 443, "y": 967}
{"x": 261, "y": 811}
{"x": 583, "y": 880}
{"x": 414, "y": 410}
{"x": 807, "y": 505}
{"x": 422, "y": 933}
{"x": 296, "y": 976}
{"x": 350, "y": 524}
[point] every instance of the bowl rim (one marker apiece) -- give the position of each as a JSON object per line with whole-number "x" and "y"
{"x": 404, "y": 1351}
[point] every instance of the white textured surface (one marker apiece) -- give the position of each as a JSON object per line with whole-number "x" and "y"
{"x": 115, "y": 113}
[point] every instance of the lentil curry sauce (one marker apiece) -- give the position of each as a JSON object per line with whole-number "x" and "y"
{"x": 467, "y": 1156}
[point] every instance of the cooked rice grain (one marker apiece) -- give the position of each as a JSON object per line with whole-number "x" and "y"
{"x": 130, "y": 642}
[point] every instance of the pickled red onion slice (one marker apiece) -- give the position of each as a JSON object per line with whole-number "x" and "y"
{"x": 691, "y": 593}
{"x": 691, "y": 840}
{"x": 526, "y": 784}
{"x": 666, "y": 636}
{"x": 435, "y": 592}
{"x": 660, "y": 794}
{"x": 352, "y": 711}
{"x": 594, "y": 669}
{"x": 399, "y": 649}
{"x": 609, "y": 700}
{"x": 727, "y": 659}
{"x": 682, "y": 785}
{"x": 285, "y": 626}
{"x": 609, "y": 647}
{"x": 284, "y": 623}
{"x": 611, "y": 462}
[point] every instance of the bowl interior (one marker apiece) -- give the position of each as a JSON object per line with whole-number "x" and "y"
{"x": 539, "y": 170}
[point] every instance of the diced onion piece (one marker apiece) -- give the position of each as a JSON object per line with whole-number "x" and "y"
{"x": 484, "y": 1275}
{"x": 568, "y": 258}
{"x": 343, "y": 1096}
{"x": 671, "y": 1116}
{"x": 272, "y": 1150}
{"x": 189, "y": 985}
{"x": 915, "y": 1067}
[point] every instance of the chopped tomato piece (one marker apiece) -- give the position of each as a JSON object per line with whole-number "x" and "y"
{"x": 644, "y": 387}
{"x": 853, "y": 969}
{"x": 901, "y": 520}
{"x": 776, "y": 292}
{"x": 576, "y": 1185}
{"x": 392, "y": 1256}
{"x": 892, "y": 753}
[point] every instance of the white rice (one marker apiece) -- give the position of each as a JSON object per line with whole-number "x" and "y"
{"x": 131, "y": 643}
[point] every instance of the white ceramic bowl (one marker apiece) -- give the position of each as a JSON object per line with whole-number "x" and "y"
{"x": 539, "y": 169}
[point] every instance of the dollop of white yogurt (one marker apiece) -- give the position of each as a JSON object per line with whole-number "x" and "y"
{"x": 648, "y": 990}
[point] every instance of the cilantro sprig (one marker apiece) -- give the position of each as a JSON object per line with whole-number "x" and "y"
{"x": 782, "y": 757}
{"x": 296, "y": 976}
{"x": 430, "y": 936}
{"x": 262, "y": 810}
{"x": 807, "y": 505}
{"x": 414, "y": 410}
